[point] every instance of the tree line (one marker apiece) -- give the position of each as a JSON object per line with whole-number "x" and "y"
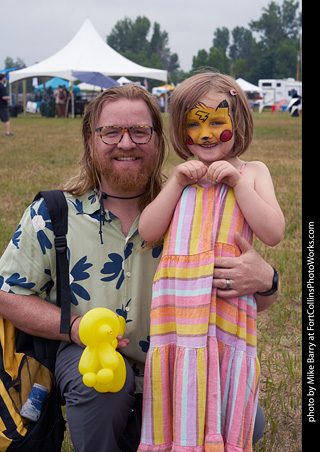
{"x": 268, "y": 48}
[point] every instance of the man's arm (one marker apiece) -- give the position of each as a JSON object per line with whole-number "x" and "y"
{"x": 35, "y": 316}
{"x": 248, "y": 273}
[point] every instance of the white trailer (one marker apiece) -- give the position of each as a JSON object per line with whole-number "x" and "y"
{"x": 274, "y": 91}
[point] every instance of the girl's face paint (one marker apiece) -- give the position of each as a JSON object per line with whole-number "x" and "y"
{"x": 207, "y": 125}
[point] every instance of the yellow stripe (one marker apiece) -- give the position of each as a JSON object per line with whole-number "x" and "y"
{"x": 172, "y": 327}
{"x": 231, "y": 328}
{"x": 197, "y": 223}
{"x": 201, "y": 372}
{"x": 185, "y": 273}
{"x": 157, "y": 398}
{"x": 257, "y": 373}
{"x": 227, "y": 217}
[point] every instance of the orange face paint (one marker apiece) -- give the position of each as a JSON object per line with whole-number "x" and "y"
{"x": 209, "y": 125}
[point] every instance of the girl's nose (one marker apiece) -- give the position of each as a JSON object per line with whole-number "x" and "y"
{"x": 206, "y": 133}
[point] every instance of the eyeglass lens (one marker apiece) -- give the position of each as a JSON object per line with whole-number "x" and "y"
{"x": 138, "y": 134}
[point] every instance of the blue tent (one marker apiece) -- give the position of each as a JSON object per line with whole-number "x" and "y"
{"x": 54, "y": 83}
{"x": 6, "y": 71}
{"x": 96, "y": 79}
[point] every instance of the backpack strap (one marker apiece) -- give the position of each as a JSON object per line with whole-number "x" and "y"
{"x": 58, "y": 210}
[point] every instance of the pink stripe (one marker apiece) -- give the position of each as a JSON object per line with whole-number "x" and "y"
{"x": 147, "y": 431}
{"x": 213, "y": 415}
{"x": 177, "y": 395}
{"x": 166, "y": 300}
{"x": 166, "y": 397}
{"x": 173, "y": 231}
{"x": 236, "y": 400}
{"x": 192, "y": 408}
{"x": 184, "y": 284}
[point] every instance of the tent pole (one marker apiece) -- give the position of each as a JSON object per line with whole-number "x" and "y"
{"x": 166, "y": 96}
{"x": 24, "y": 96}
{"x": 72, "y": 99}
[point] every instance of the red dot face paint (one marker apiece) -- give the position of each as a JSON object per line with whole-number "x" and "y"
{"x": 226, "y": 135}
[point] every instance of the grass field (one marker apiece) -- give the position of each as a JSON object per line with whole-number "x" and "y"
{"x": 45, "y": 151}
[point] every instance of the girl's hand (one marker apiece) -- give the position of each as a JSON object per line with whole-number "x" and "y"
{"x": 223, "y": 171}
{"x": 190, "y": 172}
{"x": 122, "y": 342}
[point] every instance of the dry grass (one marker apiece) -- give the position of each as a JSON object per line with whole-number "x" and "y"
{"x": 45, "y": 151}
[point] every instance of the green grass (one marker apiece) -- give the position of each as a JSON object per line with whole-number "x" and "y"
{"x": 45, "y": 151}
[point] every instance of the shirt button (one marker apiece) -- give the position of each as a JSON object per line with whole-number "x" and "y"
{"x": 128, "y": 274}
{"x": 127, "y": 309}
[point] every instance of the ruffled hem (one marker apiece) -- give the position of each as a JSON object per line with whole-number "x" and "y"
{"x": 193, "y": 394}
{"x": 215, "y": 444}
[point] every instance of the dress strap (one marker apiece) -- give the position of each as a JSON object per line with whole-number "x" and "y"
{"x": 242, "y": 168}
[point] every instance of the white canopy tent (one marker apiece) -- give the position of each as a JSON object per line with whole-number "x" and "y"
{"x": 87, "y": 52}
{"x": 247, "y": 86}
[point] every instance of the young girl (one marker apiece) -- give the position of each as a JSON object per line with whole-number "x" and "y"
{"x": 202, "y": 371}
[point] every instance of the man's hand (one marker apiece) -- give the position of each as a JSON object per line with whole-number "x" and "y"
{"x": 248, "y": 273}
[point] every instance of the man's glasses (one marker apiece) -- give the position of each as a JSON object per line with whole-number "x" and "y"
{"x": 114, "y": 134}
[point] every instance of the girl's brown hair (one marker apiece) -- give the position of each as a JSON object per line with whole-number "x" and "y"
{"x": 188, "y": 94}
{"x": 88, "y": 177}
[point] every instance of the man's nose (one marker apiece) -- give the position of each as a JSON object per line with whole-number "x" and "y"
{"x": 126, "y": 142}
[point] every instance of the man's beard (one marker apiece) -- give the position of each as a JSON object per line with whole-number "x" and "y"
{"x": 127, "y": 180}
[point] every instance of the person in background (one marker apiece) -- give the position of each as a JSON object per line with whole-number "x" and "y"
{"x": 61, "y": 96}
{"x": 4, "y": 110}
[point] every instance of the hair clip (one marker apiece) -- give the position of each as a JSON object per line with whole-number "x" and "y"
{"x": 233, "y": 92}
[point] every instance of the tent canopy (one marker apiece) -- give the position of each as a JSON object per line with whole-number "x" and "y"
{"x": 95, "y": 78}
{"x": 158, "y": 90}
{"x": 87, "y": 52}
{"x": 54, "y": 83}
{"x": 248, "y": 87}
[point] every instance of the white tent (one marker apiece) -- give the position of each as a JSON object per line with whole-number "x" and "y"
{"x": 87, "y": 51}
{"x": 87, "y": 87}
{"x": 123, "y": 80}
{"x": 248, "y": 87}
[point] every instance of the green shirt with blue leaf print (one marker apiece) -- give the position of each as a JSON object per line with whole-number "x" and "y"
{"x": 106, "y": 269}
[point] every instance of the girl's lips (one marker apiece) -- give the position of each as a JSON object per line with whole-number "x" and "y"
{"x": 208, "y": 145}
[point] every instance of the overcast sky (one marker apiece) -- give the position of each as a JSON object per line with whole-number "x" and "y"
{"x": 36, "y": 29}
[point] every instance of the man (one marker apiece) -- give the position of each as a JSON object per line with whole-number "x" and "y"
{"x": 120, "y": 173}
{"x": 4, "y": 112}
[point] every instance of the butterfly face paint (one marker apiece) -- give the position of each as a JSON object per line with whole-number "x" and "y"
{"x": 206, "y": 125}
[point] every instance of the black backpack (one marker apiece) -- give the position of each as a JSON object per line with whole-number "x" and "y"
{"x": 26, "y": 359}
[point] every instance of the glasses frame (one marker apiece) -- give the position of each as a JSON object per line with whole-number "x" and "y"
{"x": 124, "y": 130}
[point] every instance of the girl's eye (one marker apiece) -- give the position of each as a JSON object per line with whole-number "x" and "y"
{"x": 192, "y": 125}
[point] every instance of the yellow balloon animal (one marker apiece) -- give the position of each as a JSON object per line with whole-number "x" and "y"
{"x": 102, "y": 367}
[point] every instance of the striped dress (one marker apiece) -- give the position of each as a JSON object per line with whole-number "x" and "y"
{"x": 202, "y": 372}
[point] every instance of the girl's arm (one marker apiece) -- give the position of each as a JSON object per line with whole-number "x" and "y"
{"x": 156, "y": 217}
{"x": 256, "y": 198}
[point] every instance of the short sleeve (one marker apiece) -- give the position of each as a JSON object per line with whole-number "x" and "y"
{"x": 28, "y": 264}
